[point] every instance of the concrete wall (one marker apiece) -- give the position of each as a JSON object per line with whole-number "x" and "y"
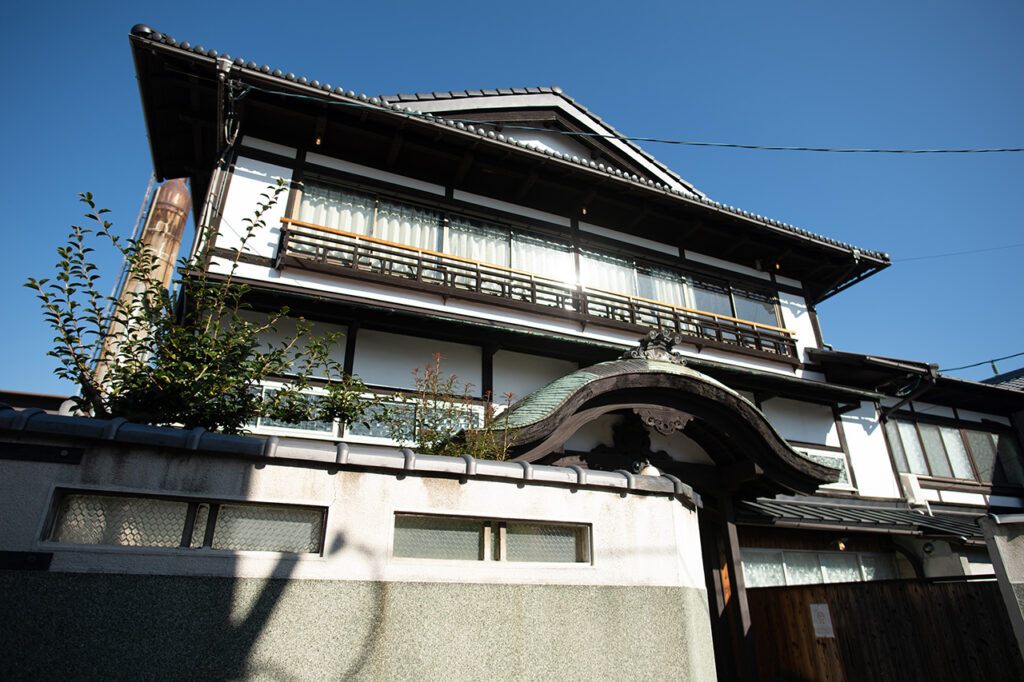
{"x": 1005, "y": 540}
{"x": 638, "y": 608}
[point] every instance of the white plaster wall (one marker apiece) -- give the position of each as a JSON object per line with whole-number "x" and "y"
{"x": 249, "y": 180}
{"x": 869, "y": 456}
{"x": 521, "y": 374}
{"x": 796, "y": 318}
{"x": 385, "y": 359}
{"x": 804, "y": 422}
{"x": 725, "y": 265}
{"x": 957, "y": 497}
{"x": 933, "y": 410}
{"x": 637, "y": 539}
{"x": 594, "y": 433}
{"x": 679, "y": 447}
{"x": 287, "y": 327}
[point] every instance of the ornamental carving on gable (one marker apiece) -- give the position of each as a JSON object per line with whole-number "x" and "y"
{"x": 656, "y": 345}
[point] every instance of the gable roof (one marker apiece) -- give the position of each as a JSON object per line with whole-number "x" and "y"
{"x": 1013, "y": 379}
{"x": 584, "y": 126}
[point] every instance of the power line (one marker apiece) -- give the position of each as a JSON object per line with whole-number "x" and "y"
{"x": 983, "y": 362}
{"x": 691, "y": 143}
{"x": 959, "y": 253}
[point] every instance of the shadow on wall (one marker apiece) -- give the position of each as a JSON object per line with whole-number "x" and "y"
{"x": 118, "y": 626}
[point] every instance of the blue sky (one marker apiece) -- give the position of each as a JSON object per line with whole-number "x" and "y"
{"x": 787, "y": 73}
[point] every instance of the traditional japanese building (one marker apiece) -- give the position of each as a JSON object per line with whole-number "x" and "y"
{"x": 682, "y": 435}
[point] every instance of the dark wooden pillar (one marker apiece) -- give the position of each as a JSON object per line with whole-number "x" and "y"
{"x": 727, "y": 598}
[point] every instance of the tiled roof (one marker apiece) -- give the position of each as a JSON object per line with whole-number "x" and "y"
{"x": 145, "y": 32}
{"x": 1013, "y": 379}
{"x": 807, "y": 514}
{"x": 550, "y": 90}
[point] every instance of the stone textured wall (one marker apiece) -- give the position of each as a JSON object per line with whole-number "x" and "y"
{"x": 90, "y": 626}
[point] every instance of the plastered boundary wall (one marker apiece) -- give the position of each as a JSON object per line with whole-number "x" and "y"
{"x": 1004, "y": 536}
{"x": 639, "y": 609}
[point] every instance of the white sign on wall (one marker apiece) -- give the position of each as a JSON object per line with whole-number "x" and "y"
{"x": 822, "y": 621}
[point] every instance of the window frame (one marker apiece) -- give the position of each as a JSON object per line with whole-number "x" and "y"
{"x": 1000, "y": 479}
{"x": 189, "y": 527}
{"x": 494, "y": 540}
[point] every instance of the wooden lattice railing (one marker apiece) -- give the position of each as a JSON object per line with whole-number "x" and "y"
{"x": 313, "y": 244}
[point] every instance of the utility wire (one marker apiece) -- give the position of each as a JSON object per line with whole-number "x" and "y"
{"x": 959, "y": 253}
{"x": 659, "y": 140}
{"x": 983, "y": 362}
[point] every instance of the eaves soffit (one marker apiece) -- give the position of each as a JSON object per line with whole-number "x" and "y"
{"x": 275, "y": 80}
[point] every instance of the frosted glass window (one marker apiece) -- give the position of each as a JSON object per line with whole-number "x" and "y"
{"x": 762, "y": 569}
{"x": 542, "y": 257}
{"x": 537, "y": 542}
{"x": 934, "y": 450}
{"x": 898, "y": 454}
{"x": 984, "y": 452}
{"x": 126, "y": 521}
{"x": 802, "y": 568}
{"x": 878, "y": 567}
{"x": 268, "y": 528}
{"x": 478, "y": 241}
{"x": 607, "y": 273}
{"x": 123, "y": 521}
{"x": 840, "y": 568}
{"x": 436, "y": 537}
{"x": 912, "y": 448}
{"x": 958, "y": 458}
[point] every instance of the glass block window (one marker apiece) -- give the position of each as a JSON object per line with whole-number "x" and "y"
{"x": 472, "y": 539}
{"x": 268, "y": 528}
{"x": 537, "y": 542}
{"x": 137, "y": 521}
{"x": 124, "y": 521}
{"x": 772, "y": 567}
{"x": 438, "y": 537}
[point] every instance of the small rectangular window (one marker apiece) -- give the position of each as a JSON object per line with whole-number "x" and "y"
{"x": 470, "y": 539}
{"x": 137, "y": 521}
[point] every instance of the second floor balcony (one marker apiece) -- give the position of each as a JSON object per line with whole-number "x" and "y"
{"x": 315, "y": 247}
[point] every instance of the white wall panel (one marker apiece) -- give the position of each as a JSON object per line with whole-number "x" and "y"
{"x": 287, "y": 328}
{"x": 594, "y": 433}
{"x": 869, "y": 457}
{"x": 521, "y": 374}
{"x": 796, "y": 318}
{"x": 384, "y": 359}
{"x": 679, "y": 447}
{"x": 804, "y": 422}
{"x": 249, "y": 180}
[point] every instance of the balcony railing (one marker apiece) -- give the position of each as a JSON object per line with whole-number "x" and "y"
{"x": 323, "y": 248}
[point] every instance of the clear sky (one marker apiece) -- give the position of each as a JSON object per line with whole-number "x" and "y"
{"x": 787, "y": 73}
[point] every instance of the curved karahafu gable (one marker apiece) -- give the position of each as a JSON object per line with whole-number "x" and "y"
{"x": 668, "y": 396}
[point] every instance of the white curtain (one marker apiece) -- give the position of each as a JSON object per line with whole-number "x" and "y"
{"x": 478, "y": 241}
{"x": 607, "y": 273}
{"x": 663, "y": 286}
{"x": 337, "y": 209}
{"x": 408, "y": 225}
{"x": 542, "y": 257}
